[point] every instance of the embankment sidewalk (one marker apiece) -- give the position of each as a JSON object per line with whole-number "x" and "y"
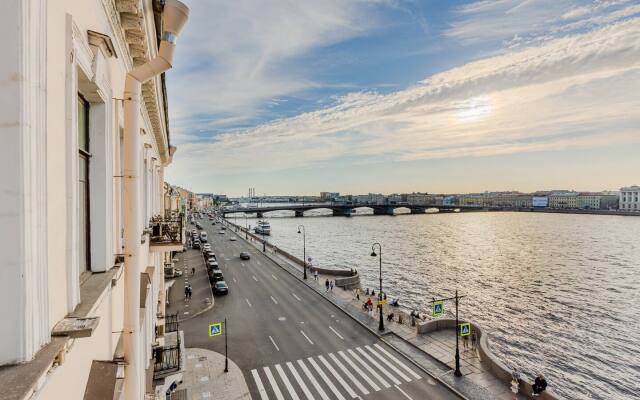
{"x": 205, "y": 379}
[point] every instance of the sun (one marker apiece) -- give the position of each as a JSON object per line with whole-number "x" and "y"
{"x": 474, "y": 109}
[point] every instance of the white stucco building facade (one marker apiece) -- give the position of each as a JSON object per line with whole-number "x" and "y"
{"x": 80, "y": 319}
{"x": 630, "y": 199}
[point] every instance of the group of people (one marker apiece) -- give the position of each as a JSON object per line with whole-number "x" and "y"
{"x": 474, "y": 341}
{"x": 329, "y": 285}
{"x": 539, "y": 384}
{"x": 188, "y": 292}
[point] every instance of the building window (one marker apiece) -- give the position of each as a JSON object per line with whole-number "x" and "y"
{"x": 84, "y": 242}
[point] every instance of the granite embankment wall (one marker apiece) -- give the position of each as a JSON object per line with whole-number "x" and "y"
{"x": 345, "y": 278}
{"x": 496, "y": 366}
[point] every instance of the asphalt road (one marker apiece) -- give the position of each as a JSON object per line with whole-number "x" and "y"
{"x": 290, "y": 343}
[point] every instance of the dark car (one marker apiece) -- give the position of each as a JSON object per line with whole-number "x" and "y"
{"x": 244, "y": 255}
{"x": 198, "y": 225}
{"x": 196, "y": 244}
{"x": 207, "y": 253}
{"x": 220, "y": 287}
{"x": 215, "y": 275}
{"x": 212, "y": 264}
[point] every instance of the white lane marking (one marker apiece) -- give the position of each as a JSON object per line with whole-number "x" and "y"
{"x": 334, "y": 389}
{"x": 402, "y": 391}
{"x": 254, "y": 278}
{"x": 386, "y": 353}
{"x": 247, "y": 300}
{"x": 256, "y": 378}
{"x": 274, "y": 277}
{"x": 274, "y": 343}
{"x": 359, "y": 371}
{"x": 301, "y": 383}
{"x": 274, "y": 300}
{"x": 287, "y": 383}
{"x": 258, "y": 261}
{"x": 336, "y": 332}
{"x": 313, "y": 380}
{"x": 297, "y": 298}
{"x": 382, "y": 369}
{"x": 338, "y": 377}
{"x": 368, "y": 368}
{"x": 306, "y": 337}
{"x": 274, "y": 384}
{"x": 389, "y": 364}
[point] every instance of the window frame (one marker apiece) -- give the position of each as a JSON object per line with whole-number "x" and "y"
{"x": 86, "y": 155}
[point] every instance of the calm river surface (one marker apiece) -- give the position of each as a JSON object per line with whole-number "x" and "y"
{"x": 557, "y": 293}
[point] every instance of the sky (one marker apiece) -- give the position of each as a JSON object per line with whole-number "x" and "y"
{"x": 394, "y": 96}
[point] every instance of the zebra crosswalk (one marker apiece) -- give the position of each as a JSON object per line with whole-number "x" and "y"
{"x": 341, "y": 375}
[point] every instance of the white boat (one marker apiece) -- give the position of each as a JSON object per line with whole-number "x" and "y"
{"x": 263, "y": 228}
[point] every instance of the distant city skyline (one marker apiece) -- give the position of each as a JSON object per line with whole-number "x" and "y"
{"x": 400, "y": 96}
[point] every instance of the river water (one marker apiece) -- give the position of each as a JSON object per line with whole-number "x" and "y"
{"x": 557, "y": 293}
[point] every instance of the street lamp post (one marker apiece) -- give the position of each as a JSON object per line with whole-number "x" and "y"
{"x": 304, "y": 251}
{"x": 457, "y": 371}
{"x": 246, "y": 227}
{"x": 373, "y": 254}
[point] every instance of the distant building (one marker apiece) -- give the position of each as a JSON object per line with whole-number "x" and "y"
{"x": 563, "y": 200}
{"x": 596, "y": 201}
{"x": 329, "y": 196}
{"x": 630, "y": 198}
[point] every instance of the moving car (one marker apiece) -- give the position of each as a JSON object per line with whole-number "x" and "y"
{"x": 220, "y": 288}
{"x": 221, "y": 232}
{"x": 203, "y": 236}
{"x": 233, "y": 238}
{"x": 244, "y": 255}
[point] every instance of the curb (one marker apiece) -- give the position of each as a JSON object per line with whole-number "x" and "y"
{"x": 374, "y": 332}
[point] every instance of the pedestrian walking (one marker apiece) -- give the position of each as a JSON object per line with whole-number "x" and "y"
{"x": 326, "y": 285}
{"x": 474, "y": 341}
{"x": 465, "y": 343}
{"x": 186, "y": 292}
{"x": 357, "y": 294}
{"x": 315, "y": 275}
{"x": 190, "y": 292}
{"x": 193, "y": 271}
{"x": 331, "y": 285}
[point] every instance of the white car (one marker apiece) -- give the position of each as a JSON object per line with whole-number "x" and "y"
{"x": 221, "y": 232}
{"x": 233, "y": 238}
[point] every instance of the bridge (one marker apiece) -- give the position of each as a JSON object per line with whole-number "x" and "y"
{"x": 347, "y": 210}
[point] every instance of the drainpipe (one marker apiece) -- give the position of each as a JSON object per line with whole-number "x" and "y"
{"x": 174, "y": 16}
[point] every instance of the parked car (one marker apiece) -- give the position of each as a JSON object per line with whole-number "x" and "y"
{"x": 244, "y": 255}
{"x": 206, "y": 246}
{"x": 198, "y": 226}
{"x": 212, "y": 264}
{"x": 208, "y": 254}
{"x": 233, "y": 238}
{"x": 203, "y": 236}
{"x": 215, "y": 275}
{"x": 221, "y": 232}
{"x": 196, "y": 244}
{"x": 220, "y": 288}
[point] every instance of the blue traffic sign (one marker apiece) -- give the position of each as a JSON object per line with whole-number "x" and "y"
{"x": 438, "y": 309}
{"x": 215, "y": 329}
{"x": 465, "y": 329}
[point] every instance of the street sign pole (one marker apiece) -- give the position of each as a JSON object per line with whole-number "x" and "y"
{"x": 457, "y": 371}
{"x": 226, "y": 354}
{"x": 435, "y": 313}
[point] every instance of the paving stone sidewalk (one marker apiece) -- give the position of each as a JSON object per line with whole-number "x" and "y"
{"x": 202, "y": 298}
{"x": 205, "y": 379}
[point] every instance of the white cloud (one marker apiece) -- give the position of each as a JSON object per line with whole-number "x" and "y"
{"x": 235, "y": 55}
{"x": 578, "y": 91}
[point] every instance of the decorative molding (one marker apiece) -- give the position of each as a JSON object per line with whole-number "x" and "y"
{"x": 102, "y": 42}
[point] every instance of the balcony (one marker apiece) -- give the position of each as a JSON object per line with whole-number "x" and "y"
{"x": 171, "y": 323}
{"x": 167, "y": 234}
{"x": 168, "y": 359}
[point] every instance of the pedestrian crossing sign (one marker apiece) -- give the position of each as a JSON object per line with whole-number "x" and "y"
{"x": 215, "y": 329}
{"x": 465, "y": 329}
{"x": 438, "y": 309}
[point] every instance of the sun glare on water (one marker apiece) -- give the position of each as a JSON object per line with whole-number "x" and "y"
{"x": 474, "y": 109}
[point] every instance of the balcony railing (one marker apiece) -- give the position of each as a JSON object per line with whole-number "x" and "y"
{"x": 167, "y": 230}
{"x": 171, "y": 323}
{"x": 167, "y": 360}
